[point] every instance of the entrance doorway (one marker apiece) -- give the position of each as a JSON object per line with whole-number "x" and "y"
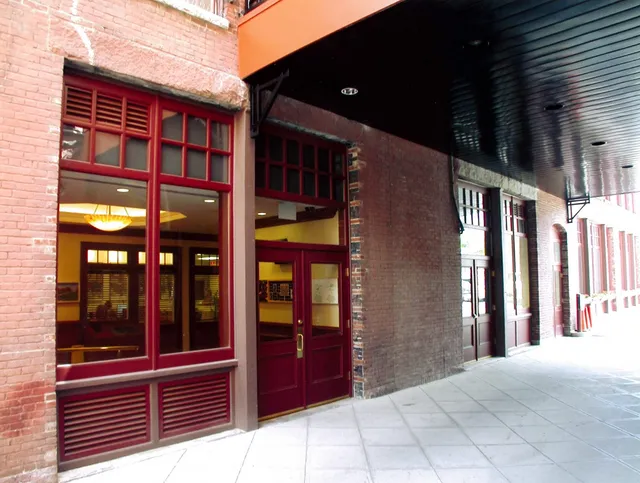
{"x": 303, "y": 329}
{"x": 556, "y": 268}
{"x": 477, "y": 323}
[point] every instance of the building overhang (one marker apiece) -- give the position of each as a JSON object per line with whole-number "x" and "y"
{"x": 527, "y": 89}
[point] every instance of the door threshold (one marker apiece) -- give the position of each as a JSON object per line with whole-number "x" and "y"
{"x": 312, "y": 408}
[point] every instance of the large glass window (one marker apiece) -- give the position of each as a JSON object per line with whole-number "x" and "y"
{"x": 143, "y": 240}
{"x": 102, "y": 228}
{"x": 203, "y": 296}
{"x": 516, "y": 257}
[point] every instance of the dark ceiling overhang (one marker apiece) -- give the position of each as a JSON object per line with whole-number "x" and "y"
{"x": 481, "y": 79}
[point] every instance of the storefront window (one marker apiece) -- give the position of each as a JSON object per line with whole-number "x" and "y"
{"x": 143, "y": 243}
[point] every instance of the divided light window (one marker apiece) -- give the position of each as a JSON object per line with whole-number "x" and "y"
{"x": 474, "y": 213}
{"x": 143, "y": 178}
{"x": 300, "y": 167}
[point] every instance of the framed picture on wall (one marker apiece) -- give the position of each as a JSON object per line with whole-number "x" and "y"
{"x": 67, "y": 293}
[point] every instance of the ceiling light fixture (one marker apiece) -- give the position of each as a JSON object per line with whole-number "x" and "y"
{"x": 349, "y": 91}
{"x": 209, "y": 201}
{"x": 598, "y": 143}
{"x": 262, "y": 213}
{"x": 475, "y": 43}
{"x": 627, "y": 166}
{"x": 122, "y": 190}
{"x": 556, "y": 106}
{"x": 108, "y": 221}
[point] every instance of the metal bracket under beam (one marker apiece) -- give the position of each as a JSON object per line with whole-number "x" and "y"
{"x": 259, "y": 109}
{"x": 578, "y": 202}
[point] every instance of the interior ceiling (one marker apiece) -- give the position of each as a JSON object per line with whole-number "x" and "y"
{"x": 200, "y": 217}
{"x": 473, "y": 78}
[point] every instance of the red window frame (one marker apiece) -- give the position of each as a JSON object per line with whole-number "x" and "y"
{"x": 302, "y": 140}
{"x": 154, "y": 179}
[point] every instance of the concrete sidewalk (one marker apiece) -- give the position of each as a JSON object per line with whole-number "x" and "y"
{"x": 565, "y": 412}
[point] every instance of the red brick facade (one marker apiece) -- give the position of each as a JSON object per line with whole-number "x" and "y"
{"x": 145, "y": 40}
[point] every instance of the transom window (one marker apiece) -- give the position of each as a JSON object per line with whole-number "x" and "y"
{"x": 299, "y": 166}
{"x": 474, "y": 206}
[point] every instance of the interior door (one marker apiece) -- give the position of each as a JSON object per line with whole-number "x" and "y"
{"x": 557, "y": 285}
{"x": 326, "y": 328}
{"x": 468, "y": 311}
{"x": 280, "y": 331}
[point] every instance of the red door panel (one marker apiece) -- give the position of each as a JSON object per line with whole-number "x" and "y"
{"x": 304, "y": 342}
{"x": 327, "y": 337}
{"x": 280, "y": 371}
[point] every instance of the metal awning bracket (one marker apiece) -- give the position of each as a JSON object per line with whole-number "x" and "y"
{"x": 575, "y": 206}
{"x": 260, "y": 106}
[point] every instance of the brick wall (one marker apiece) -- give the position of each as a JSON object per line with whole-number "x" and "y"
{"x": 140, "y": 39}
{"x": 546, "y": 214}
{"x": 405, "y": 255}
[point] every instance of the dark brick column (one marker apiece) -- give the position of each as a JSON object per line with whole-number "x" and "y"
{"x": 357, "y": 317}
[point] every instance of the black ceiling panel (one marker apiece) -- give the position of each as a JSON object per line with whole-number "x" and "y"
{"x": 473, "y": 78}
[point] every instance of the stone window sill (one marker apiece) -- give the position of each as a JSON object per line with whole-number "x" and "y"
{"x": 197, "y": 12}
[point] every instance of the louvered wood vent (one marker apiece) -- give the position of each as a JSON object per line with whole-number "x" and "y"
{"x": 193, "y": 404}
{"x": 105, "y": 421}
{"x": 78, "y": 103}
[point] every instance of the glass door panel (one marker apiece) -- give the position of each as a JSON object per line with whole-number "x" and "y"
{"x": 325, "y": 299}
{"x": 275, "y": 302}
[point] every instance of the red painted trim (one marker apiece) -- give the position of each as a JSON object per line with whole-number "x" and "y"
{"x": 300, "y": 246}
{"x": 62, "y": 401}
{"x": 293, "y": 198}
{"x": 194, "y": 357}
{"x": 103, "y": 170}
{"x": 193, "y": 183}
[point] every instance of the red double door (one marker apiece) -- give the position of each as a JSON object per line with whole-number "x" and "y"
{"x": 303, "y": 329}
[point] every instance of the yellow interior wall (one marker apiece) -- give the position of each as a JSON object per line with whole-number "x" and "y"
{"x": 69, "y": 269}
{"x": 318, "y": 231}
{"x": 276, "y": 312}
{"x": 324, "y": 315}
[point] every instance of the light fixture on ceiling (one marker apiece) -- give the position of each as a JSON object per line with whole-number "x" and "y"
{"x": 209, "y": 201}
{"x": 262, "y": 213}
{"x": 598, "y": 143}
{"x": 627, "y": 166}
{"x": 349, "y": 91}
{"x": 475, "y": 43}
{"x": 122, "y": 190}
{"x": 108, "y": 221}
{"x": 79, "y": 213}
{"x": 556, "y": 106}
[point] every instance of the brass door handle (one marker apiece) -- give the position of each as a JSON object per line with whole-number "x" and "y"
{"x": 300, "y": 346}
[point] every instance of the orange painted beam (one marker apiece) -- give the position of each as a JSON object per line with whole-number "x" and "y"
{"x": 279, "y": 27}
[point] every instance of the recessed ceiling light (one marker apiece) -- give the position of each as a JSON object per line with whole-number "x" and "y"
{"x": 262, "y": 213}
{"x": 556, "y": 106}
{"x": 349, "y": 91}
{"x": 475, "y": 42}
{"x": 209, "y": 201}
{"x": 627, "y": 166}
{"x": 598, "y": 143}
{"x": 122, "y": 190}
